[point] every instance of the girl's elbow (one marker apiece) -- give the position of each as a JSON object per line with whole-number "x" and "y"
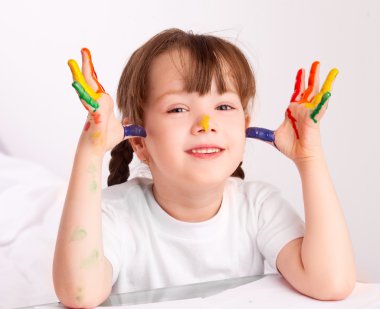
{"x": 336, "y": 290}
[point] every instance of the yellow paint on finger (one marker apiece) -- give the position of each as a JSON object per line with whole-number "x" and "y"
{"x": 205, "y": 122}
{"x": 78, "y": 77}
{"x": 325, "y": 88}
{"x": 329, "y": 80}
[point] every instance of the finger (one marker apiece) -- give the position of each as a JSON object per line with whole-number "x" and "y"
{"x": 299, "y": 86}
{"x": 78, "y": 77}
{"x": 133, "y": 131}
{"x": 313, "y": 83}
{"x": 83, "y": 95}
{"x": 89, "y": 71}
{"x": 327, "y": 86}
{"x": 316, "y": 111}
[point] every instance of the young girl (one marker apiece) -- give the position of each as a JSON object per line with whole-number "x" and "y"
{"x": 188, "y": 97}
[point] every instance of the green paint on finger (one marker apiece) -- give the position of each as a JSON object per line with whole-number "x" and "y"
{"x": 85, "y": 96}
{"x": 316, "y": 111}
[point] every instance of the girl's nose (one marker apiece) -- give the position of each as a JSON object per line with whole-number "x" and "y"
{"x": 202, "y": 125}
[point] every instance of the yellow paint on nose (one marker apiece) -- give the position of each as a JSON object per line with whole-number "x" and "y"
{"x": 205, "y": 122}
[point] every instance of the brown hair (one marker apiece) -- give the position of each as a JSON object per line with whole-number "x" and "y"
{"x": 209, "y": 57}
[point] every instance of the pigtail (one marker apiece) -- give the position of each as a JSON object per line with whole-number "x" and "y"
{"x": 239, "y": 172}
{"x": 121, "y": 156}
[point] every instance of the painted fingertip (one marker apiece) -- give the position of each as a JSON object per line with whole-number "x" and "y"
{"x": 86, "y": 50}
{"x": 134, "y": 130}
{"x": 297, "y": 86}
{"x": 325, "y": 97}
{"x": 260, "y": 133}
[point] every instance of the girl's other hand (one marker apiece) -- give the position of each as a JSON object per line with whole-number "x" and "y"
{"x": 102, "y": 130}
{"x": 298, "y": 137}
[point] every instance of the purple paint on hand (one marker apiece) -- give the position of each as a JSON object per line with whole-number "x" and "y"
{"x": 134, "y": 130}
{"x": 260, "y": 133}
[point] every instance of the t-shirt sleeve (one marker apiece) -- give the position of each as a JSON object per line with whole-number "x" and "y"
{"x": 278, "y": 224}
{"x": 118, "y": 243}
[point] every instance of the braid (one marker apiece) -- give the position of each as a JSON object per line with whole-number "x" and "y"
{"x": 239, "y": 172}
{"x": 121, "y": 156}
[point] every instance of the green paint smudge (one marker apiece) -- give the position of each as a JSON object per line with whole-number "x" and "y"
{"x": 92, "y": 259}
{"x": 79, "y": 296}
{"x": 93, "y": 186}
{"x": 78, "y": 234}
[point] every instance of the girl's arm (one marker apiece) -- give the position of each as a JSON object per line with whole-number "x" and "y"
{"x": 321, "y": 264}
{"x": 82, "y": 275}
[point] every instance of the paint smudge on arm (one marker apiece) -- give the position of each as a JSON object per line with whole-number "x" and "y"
{"x": 93, "y": 186}
{"x": 78, "y": 234}
{"x": 91, "y": 260}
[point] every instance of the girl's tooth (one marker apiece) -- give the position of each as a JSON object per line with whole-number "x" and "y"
{"x": 208, "y": 150}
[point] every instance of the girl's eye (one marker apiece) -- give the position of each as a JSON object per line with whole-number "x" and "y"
{"x": 177, "y": 110}
{"x": 224, "y": 107}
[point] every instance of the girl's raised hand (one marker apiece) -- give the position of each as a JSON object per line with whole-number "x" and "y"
{"x": 298, "y": 137}
{"x": 102, "y": 130}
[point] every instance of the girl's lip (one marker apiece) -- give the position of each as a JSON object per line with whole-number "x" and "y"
{"x": 205, "y": 155}
{"x": 204, "y": 146}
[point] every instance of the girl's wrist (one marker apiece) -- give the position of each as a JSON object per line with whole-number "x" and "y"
{"x": 87, "y": 145}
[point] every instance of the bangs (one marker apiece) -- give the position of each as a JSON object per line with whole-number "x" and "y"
{"x": 204, "y": 58}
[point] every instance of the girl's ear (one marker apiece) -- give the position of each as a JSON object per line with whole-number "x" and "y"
{"x": 139, "y": 148}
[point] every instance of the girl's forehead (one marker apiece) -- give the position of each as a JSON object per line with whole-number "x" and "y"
{"x": 168, "y": 74}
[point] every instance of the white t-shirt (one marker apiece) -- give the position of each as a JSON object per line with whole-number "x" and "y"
{"x": 150, "y": 249}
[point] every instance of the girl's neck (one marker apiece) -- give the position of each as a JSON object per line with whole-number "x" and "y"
{"x": 189, "y": 205}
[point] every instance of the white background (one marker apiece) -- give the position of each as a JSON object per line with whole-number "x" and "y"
{"x": 41, "y": 117}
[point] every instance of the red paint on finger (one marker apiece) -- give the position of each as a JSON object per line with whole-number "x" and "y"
{"x": 93, "y": 73}
{"x": 297, "y": 87}
{"x": 306, "y": 97}
{"x": 293, "y": 121}
{"x": 87, "y": 126}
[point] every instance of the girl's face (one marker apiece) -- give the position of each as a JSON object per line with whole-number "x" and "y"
{"x": 175, "y": 137}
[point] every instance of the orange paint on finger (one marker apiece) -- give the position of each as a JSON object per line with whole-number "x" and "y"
{"x": 306, "y": 97}
{"x": 93, "y": 73}
{"x": 96, "y": 117}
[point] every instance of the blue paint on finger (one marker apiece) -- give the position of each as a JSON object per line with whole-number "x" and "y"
{"x": 134, "y": 130}
{"x": 260, "y": 133}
